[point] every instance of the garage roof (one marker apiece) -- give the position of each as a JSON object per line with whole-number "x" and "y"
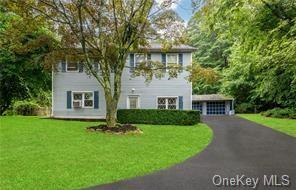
{"x": 210, "y": 97}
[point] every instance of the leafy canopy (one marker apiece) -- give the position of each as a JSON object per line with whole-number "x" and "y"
{"x": 261, "y": 50}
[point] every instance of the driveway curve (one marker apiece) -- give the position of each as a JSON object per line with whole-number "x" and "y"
{"x": 241, "y": 152}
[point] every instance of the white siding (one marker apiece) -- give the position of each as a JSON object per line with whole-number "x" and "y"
{"x": 63, "y": 82}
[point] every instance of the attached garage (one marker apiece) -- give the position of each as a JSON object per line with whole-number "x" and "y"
{"x": 213, "y": 104}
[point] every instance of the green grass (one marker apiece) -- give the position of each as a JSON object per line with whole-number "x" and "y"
{"x": 287, "y": 126}
{"x": 40, "y": 153}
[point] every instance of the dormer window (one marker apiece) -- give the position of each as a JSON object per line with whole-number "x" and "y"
{"x": 72, "y": 66}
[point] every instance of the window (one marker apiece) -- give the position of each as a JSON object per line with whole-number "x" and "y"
{"x": 172, "y": 58}
{"x": 88, "y": 99}
{"x": 72, "y": 66}
{"x": 139, "y": 58}
{"x": 197, "y": 106}
{"x": 133, "y": 102}
{"x": 83, "y": 100}
{"x": 77, "y": 100}
{"x": 167, "y": 103}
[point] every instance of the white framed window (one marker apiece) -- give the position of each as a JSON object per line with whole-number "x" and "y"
{"x": 83, "y": 99}
{"x": 140, "y": 58}
{"x": 172, "y": 58}
{"x": 72, "y": 66}
{"x": 133, "y": 102}
{"x": 167, "y": 102}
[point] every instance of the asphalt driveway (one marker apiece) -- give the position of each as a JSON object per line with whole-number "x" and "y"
{"x": 246, "y": 151}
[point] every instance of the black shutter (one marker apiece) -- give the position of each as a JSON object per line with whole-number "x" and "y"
{"x": 180, "y": 102}
{"x": 181, "y": 60}
{"x": 96, "y": 99}
{"x": 80, "y": 65}
{"x": 63, "y": 63}
{"x": 69, "y": 99}
{"x": 149, "y": 56}
{"x": 163, "y": 61}
{"x": 132, "y": 62}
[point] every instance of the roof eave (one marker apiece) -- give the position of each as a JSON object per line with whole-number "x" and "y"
{"x": 173, "y": 50}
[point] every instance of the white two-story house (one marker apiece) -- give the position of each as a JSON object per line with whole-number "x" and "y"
{"x": 77, "y": 95}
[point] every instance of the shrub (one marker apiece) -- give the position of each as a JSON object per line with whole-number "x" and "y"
{"x": 8, "y": 112}
{"x": 160, "y": 117}
{"x": 292, "y": 115}
{"x": 43, "y": 98}
{"x": 280, "y": 113}
{"x": 25, "y": 107}
{"x": 245, "y": 108}
{"x": 267, "y": 113}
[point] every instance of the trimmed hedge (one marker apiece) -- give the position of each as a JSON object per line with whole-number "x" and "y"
{"x": 280, "y": 113}
{"x": 159, "y": 117}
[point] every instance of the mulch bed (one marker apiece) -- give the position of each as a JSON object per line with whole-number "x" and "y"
{"x": 119, "y": 129}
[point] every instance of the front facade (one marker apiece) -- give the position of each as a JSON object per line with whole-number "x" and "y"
{"x": 77, "y": 95}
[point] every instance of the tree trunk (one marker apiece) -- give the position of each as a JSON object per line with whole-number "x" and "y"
{"x": 111, "y": 117}
{"x": 111, "y": 111}
{"x": 112, "y": 94}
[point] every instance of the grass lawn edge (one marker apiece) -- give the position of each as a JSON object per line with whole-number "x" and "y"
{"x": 283, "y": 125}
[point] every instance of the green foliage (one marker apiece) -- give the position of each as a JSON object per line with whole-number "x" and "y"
{"x": 157, "y": 116}
{"x": 204, "y": 80}
{"x": 261, "y": 48}
{"x": 8, "y": 112}
{"x": 202, "y": 87}
{"x": 245, "y": 108}
{"x": 23, "y": 44}
{"x": 211, "y": 51}
{"x": 26, "y": 108}
{"x": 43, "y": 98}
{"x": 280, "y": 113}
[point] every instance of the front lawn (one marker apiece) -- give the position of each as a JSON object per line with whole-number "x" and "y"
{"x": 40, "y": 153}
{"x": 287, "y": 126}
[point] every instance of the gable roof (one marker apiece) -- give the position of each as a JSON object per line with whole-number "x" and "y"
{"x": 211, "y": 97}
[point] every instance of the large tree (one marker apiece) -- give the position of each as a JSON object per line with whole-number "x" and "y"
{"x": 23, "y": 43}
{"x": 262, "y": 57}
{"x": 105, "y": 31}
{"x": 211, "y": 56}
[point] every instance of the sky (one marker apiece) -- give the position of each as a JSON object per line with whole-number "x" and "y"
{"x": 184, "y": 9}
